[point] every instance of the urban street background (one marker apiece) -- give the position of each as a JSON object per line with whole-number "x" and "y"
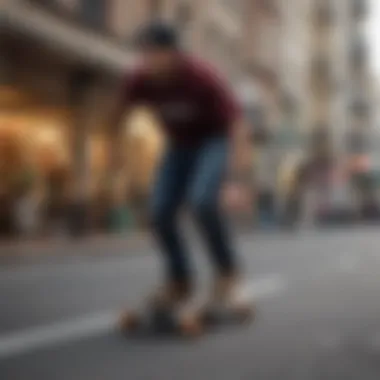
{"x": 74, "y": 237}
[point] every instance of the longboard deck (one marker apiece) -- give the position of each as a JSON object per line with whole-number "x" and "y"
{"x": 214, "y": 317}
{"x": 163, "y": 323}
{"x": 167, "y": 323}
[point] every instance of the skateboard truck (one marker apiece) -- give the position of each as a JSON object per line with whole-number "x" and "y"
{"x": 162, "y": 321}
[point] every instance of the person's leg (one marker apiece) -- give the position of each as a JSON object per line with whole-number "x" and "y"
{"x": 168, "y": 194}
{"x": 208, "y": 176}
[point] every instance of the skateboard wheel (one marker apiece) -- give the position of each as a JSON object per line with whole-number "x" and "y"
{"x": 190, "y": 327}
{"x": 246, "y": 313}
{"x": 208, "y": 316}
{"x": 129, "y": 322}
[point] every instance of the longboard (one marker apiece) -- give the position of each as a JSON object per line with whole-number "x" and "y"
{"x": 190, "y": 325}
{"x": 213, "y": 316}
{"x": 162, "y": 322}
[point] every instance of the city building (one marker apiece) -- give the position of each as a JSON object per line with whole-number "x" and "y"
{"x": 63, "y": 62}
{"x": 340, "y": 73}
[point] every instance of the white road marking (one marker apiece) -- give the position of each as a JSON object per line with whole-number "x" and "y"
{"x": 263, "y": 288}
{"x": 56, "y": 333}
{"x": 96, "y": 324}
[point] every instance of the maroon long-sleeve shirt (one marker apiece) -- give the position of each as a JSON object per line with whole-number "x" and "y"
{"x": 192, "y": 105}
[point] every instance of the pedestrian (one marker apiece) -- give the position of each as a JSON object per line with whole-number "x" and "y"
{"x": 28, "y": 211}
{"x": 201, "y": 119}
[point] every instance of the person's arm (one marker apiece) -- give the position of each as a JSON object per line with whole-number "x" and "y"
{"x": 241, "y": 148}
{"x": 222, "y": 100}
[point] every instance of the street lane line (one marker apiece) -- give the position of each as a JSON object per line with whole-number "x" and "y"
{"x": 266, "y": 287}
{"x": 96, "y": 324}
{"x": 56, "y": 333}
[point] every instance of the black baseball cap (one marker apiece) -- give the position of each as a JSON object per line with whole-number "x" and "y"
{"x": 158, "y": 35}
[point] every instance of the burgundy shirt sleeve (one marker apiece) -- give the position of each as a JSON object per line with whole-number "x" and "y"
{"x": 133, "y": 89}
{"x": 220, "y": 97}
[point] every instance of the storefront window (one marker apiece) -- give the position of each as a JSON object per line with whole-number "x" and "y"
{"x": 155, "y": 8}
{"x": 94, "y": 12}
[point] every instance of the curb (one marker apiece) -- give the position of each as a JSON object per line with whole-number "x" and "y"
{"x": 96, "y": 245}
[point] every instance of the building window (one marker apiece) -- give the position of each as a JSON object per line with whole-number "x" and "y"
{"x": 321, "y": 71}
{"x": 358, "y": 53}
{"x": 359, "y": 9}
{"x": 320, "y": 135}
{"x": 234, "y": 6}
{"x": 324, "y": 14}
{"x": 357, "y": 142}
{"x": 45, "y": 2}
{"x": 212, "y": 41}
{"x": 67, "y": 5}
{"x": 268, "y": 7}
{"x": 94, "y": 12}
{"x": 288, "y": 104}
{"x": 155, "y": 8}
{"x": 360, "y": 108}
{"x": 183, "y": 14}
{"x": 183, "y": 18}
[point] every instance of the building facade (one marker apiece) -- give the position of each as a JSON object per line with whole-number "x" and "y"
{"x": 64, "y": 61}
{"x": 341, "y": 74}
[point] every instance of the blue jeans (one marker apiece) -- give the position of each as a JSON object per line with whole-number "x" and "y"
{"x": 193, "y": 176}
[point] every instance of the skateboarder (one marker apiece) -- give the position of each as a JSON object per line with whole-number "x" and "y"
{"x": 200, "y": 119}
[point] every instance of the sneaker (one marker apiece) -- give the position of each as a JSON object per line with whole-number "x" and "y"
{"x": 172, "y": 294}
{"x": 224, "y": 290}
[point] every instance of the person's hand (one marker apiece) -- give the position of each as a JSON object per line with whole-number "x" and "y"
{"x": 240, "y": 165}
{"x": 240, "y": 152}
{"x": 235, "y": 197}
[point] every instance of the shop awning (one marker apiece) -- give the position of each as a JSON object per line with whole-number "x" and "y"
{"x": 74, "y": 41}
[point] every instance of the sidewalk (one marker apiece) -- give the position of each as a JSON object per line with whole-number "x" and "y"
{"x": 93, "y": 244}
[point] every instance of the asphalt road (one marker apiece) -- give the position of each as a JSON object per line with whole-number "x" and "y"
{"x": 318, "y": 296}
